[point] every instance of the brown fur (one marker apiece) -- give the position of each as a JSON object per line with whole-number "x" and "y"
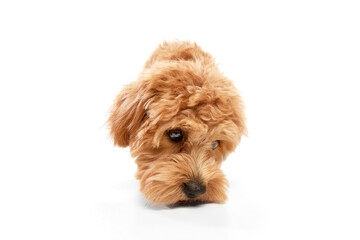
{"x": 180, "y": 87}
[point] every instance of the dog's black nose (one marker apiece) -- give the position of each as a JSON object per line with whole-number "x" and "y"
{"x": 194, "y": 189}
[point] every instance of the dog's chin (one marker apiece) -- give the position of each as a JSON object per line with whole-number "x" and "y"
{"x": 188, "y": 202}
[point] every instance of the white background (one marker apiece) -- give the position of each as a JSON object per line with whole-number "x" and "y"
{"x": 296, "y": 64}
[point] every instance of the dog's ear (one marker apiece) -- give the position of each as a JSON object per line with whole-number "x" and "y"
{"x": 126, "y": 114}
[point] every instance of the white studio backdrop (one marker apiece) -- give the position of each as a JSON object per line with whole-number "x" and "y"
{"x": 296, "y": 64}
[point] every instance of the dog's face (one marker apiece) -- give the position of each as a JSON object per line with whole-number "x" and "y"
{"x": 180, "y": 120}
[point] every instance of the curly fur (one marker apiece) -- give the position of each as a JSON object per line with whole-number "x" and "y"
{"x": 180, "y": 87}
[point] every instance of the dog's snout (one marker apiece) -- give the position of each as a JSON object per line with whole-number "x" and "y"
{"x": 194, "y": 189}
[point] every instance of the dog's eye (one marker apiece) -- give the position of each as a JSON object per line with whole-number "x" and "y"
{"x": 175, "y": 135}
{"x": 214, "y": 144}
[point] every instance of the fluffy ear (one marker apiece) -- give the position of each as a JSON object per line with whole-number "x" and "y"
{"x": 126, "y": 114}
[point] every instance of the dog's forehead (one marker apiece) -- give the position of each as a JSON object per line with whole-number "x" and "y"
{"x": 200, "y": 110}
{"x": 203, "y": 102}
{"x": 201, "y": 120}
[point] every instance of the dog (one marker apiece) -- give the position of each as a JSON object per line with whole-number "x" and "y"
{"x": 181, "y": 119}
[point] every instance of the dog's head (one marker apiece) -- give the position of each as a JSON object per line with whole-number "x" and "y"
{"x": 181, "y": 119}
